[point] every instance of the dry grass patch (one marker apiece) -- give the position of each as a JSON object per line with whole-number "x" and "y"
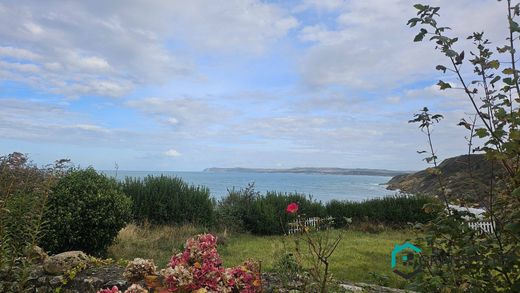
{"x": 154, "y": 242}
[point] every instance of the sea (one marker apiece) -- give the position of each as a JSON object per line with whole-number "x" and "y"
{"x": 321, "y": 187}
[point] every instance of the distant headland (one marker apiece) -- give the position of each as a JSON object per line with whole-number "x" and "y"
{"x": 310, "y": 170}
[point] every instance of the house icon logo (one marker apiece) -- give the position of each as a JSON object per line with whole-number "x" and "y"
{"x": 403, "y": 262}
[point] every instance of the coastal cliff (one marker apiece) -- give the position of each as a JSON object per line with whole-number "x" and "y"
{"x": 466, "y": 176}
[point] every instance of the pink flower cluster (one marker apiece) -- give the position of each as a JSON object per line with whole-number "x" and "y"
{"x": 112, "y": 290}
{"x": 135, "y": 288}
{"x": 200, "y": 267}
{"x": 197, "y": 269}
{"x": 245, "y": 277}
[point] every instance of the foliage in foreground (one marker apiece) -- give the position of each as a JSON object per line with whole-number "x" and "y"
{"x": 196, "y": 269}
{"x": 85, "y": 212}
{"x": 24, "y": 190}
{"x": 169, "y": 200}
{"x": 460, "y": 259}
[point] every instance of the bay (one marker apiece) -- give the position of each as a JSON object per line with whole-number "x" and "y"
{"x": 322, "y": 187}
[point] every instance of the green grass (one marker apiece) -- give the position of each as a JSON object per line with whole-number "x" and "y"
{"x": 358, "y": 254}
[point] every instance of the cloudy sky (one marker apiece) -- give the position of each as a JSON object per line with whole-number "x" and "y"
{"x": 186, "y": 85}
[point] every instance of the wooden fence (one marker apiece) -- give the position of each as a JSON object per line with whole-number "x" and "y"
{"x": 482, "y": 226}
{"x": 314, "y": 223}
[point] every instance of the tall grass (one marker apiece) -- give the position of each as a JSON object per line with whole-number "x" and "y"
{"x": 169, "y": 200}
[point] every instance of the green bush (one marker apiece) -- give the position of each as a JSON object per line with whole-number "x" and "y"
{"x": 169, "y": 200}
{"x": 395, "y": 210}
{"x": 85, "y": 212}
{"x": 249, "y": 211}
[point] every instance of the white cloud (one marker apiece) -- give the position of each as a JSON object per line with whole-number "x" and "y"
{"x": 90, "y": 127}
{"x": 369, "y": 45}
{"x": 189, "y": 114}
{"x": 320, "y": 5}
{"x": 18, "y": 53}
{"x": 107, "y": 49}
{"x": 172, "y": 153}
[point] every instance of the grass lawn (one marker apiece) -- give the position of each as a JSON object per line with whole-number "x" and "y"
{"x": 358, "y": 254}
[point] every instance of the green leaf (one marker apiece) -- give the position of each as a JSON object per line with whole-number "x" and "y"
{"x": 508, "y": 81}
{"x": 451, "y": 53}
{"x": 503, "y": 49}
{"x": 465, "y": 124}
{"x": 513, "y": 26}
{"x": 419, "y": 7}
{"x": 495, "y": 79}
{"x": 493, "y": 64}
{"x": 420, "y": 36}
{"x": 443, "y": 85}
{"x": 459, "y": 58}
{"x": 481, "y": 132}
{"x": 508, "y": 71}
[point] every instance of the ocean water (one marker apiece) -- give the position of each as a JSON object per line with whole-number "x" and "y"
{"x": 321, "y": 187}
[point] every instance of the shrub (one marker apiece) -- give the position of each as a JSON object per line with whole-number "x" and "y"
{"x": 248, "y": 210}
{"x": 85, "y": 212}
{"x": 24, "y": 189}
{"x": 395, "y": 210}
{"x": 169, "y": 200}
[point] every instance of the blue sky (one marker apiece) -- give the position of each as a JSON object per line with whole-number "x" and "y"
{"x": 186, "y": 85}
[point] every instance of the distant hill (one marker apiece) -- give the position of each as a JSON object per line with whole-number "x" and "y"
{"x": 467, "y": 175}
{"x": 331, "y": 171}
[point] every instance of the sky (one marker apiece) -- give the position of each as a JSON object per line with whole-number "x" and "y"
{"x": 188, "y": 85}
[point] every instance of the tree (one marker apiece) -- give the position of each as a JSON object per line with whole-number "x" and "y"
{"x": 460, "y": 258}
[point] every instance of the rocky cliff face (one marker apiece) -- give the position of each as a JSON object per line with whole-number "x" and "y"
{"x": 466, "y": 176}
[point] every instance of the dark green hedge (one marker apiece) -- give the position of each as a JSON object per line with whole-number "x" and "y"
{"x": 249, "y": 211}
{"x": 395, "y": 210}
{"x": 169, "y": 200}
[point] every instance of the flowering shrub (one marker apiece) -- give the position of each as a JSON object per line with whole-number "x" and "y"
{"x": 200, "y": 266}
{"x": 245, "y": 278}
{"x": 113, "y": 290}
{"x": 321, "y": 246}
{"x": 138, "y": 269}
{"x": 135, "y": 288}
{"x": 292, "y": 208}
{"x": 197, "y": 269}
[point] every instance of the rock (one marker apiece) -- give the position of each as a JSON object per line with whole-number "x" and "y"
{"x": 90, "y": 284}
{"x": 119, "y": 283}
{"x": 60, "y": 263}
{"x": 371, "y": 288}
{"x": 56, "y": 281}
{"x": 36, "y": 254}
{"x": 351, "y": 288}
